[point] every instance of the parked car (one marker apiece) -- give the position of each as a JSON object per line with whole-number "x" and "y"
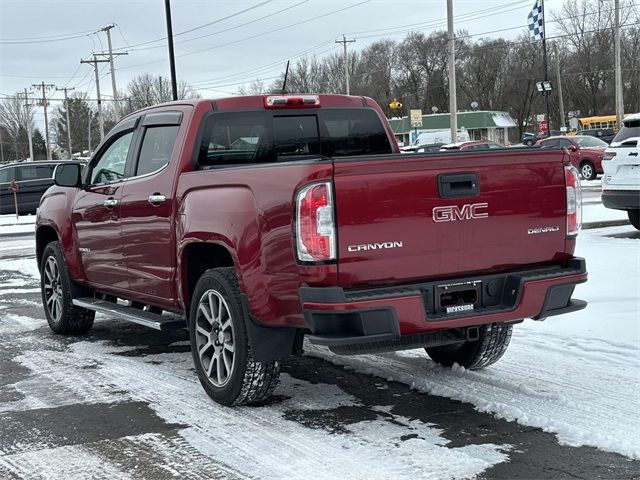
{"x": 621, "y": 162}
{"x": 586, "y": 152}
{"x": 32, "y": 179}
{"x": 429, "y": 148}
{"x": 315, "y": 227}
{"x": 604, "y": 134}
{"x": 530, "y": 139}
{"x": 471, "y": 146}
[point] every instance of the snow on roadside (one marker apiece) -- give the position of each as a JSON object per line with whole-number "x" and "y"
{"x": 597, "y": 212}
{"x": 574, "y": 375}
{"x": 9, "y": 224}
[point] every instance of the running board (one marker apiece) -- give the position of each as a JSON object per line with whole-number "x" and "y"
{"x": 147, "y": 319}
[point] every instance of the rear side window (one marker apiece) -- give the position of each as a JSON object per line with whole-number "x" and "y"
{"x": 236, "y": 138}
{"x": 6, "y": 175}
{"x": 157, "y": 147}
{"x": 629, "y": 129}
{"x": 35, "y": 172}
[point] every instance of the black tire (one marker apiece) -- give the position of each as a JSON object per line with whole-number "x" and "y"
{"x": 528, "y": 142}
{"x": 487, "y": 350}
{"x": 247, "y": 381}
{"x": 588, "y": 170}
{"x": 63, "y": 317}
{"x": 634, "y": 218}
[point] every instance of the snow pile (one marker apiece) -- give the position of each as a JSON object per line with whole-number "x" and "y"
{"x": 26, "y": 266}
{"x": 597, "y": 212}
{"x": 9, "y": 224}
{"x": 574, "y": 375}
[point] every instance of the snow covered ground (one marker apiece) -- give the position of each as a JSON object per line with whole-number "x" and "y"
{"x": 9, "y": 224}
{"x": 577, "y": 375}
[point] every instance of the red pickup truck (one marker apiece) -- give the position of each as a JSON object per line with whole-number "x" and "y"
{"x": 260, "y": 220}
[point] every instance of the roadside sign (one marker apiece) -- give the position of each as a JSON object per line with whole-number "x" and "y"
{"x": 540, "y": 118}
{"x": 13, "y": 186}
{"x": 543, "y": 127}
{"x": 416, "y": 118}
{"x": 563, "y": 129}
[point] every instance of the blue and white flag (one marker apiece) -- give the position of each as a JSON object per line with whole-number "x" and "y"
{"x": 536, "y": 22}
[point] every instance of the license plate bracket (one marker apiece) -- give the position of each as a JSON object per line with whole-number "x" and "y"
{"x": 458, "y": 298}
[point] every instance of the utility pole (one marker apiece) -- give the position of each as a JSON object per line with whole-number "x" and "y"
{"x": 344, "y": 43}
{"x": 44, "y": 87}
{"x": 1, "y": 148}
{"x": 559, "y": 81}
{"x": 172, "y": 59}
{"x": 66, "y": 103}
{"x": 453, "y": 104}
{"x": 27, "y": 105}
{"x": 116, "y": 106}
{"x": 95, "y": 63}
{"x": 618, "y": 68}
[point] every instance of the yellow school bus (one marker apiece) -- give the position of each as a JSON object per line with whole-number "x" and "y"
{"x": 603, "y": 121}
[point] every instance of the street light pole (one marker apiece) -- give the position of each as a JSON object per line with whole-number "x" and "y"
{"x": 453, "y": 106}
{"x": 172, "y": 60}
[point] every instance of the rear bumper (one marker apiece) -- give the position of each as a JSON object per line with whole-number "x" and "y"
{"x": 407, "y": 315}
{"x": 621, "y": 199}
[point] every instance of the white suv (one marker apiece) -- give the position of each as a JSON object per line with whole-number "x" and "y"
{"x": 621, "y": 165}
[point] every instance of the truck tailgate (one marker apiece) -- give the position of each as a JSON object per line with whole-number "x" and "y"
{"x": 389, "y": 232}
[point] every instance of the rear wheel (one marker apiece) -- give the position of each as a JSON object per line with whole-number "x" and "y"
{"x": 56, "y": 287}
{"x": 587, "y": 170}
{"x": 474, "y": 355}
{"x": 634, "y": 218}
{"x": 220, "y": 344}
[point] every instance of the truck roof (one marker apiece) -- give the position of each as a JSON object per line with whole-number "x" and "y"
{"x": 258, "y": 101}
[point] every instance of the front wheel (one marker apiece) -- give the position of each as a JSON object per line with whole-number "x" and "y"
{"x": 634, "y": 218}
{"x": 55, "y": 283}
{"x": 474, "y": 355}
{"x": 587, "y": 171}
{"x": 220, "y": 344}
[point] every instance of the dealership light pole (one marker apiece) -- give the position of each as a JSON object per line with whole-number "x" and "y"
{"x": 618, "y": 69}
{"x": 172, "y": 59}
{"x": 453, "y": 106}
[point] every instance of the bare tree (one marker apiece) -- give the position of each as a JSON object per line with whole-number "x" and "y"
{"x": 15, "y": 119}
{"x": 146, "y": 90}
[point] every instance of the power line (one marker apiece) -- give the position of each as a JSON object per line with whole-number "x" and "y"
{"x": 256, "y": 35}
{"x": 46, "y": 39}
{"x": 240, "y": 12}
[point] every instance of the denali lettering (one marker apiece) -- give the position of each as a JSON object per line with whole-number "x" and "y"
{"x": 373, "y": 246}
{"x": 451, "y": 213}
{"x": 532, "y": 231}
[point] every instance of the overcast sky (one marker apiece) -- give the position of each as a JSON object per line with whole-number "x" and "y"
{"x": 219, "y": 57}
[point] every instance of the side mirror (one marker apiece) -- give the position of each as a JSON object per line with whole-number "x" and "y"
{"x": 573, "y": 148}
{"x": 68, "y": 175}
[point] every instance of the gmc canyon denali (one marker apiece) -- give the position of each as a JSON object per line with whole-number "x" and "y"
{"x": 260, "y": 220}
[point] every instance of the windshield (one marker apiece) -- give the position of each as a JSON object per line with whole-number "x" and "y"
{"x": 589, "y": 142}
{"x": 629, "y": 129}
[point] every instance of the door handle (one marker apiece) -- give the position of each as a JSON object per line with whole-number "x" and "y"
{"x": 456, "y": 185}
{"x": 633, "y": 154}
{"x": 156, "y": 198}
{"x": 110, "y": 202}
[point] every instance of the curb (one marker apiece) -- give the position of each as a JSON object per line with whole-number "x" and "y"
{"x": 16, "y": 234}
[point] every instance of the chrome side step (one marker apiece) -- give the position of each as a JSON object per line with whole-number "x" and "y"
{"x": 147, "y": 319}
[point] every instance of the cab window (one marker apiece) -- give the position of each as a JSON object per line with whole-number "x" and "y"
{"x": 35, "y": 172}
{"x": 110, "y": 166}
{"x": 157, "y": 147}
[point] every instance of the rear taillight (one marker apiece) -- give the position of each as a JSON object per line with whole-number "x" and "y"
{"x": 315, "y": 226}
{"x": 574, "y": 200}
{"x": 608, "y": 155}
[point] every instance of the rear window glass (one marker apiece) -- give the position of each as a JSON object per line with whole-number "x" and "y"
{"x": 232, "y": 138}
{"x": 590, "y": 142}
{"x": 629, "y": 129}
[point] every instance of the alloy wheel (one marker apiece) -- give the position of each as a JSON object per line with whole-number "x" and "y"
{"x": 214, "y": 338}
{"x": 53, "y": 288}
